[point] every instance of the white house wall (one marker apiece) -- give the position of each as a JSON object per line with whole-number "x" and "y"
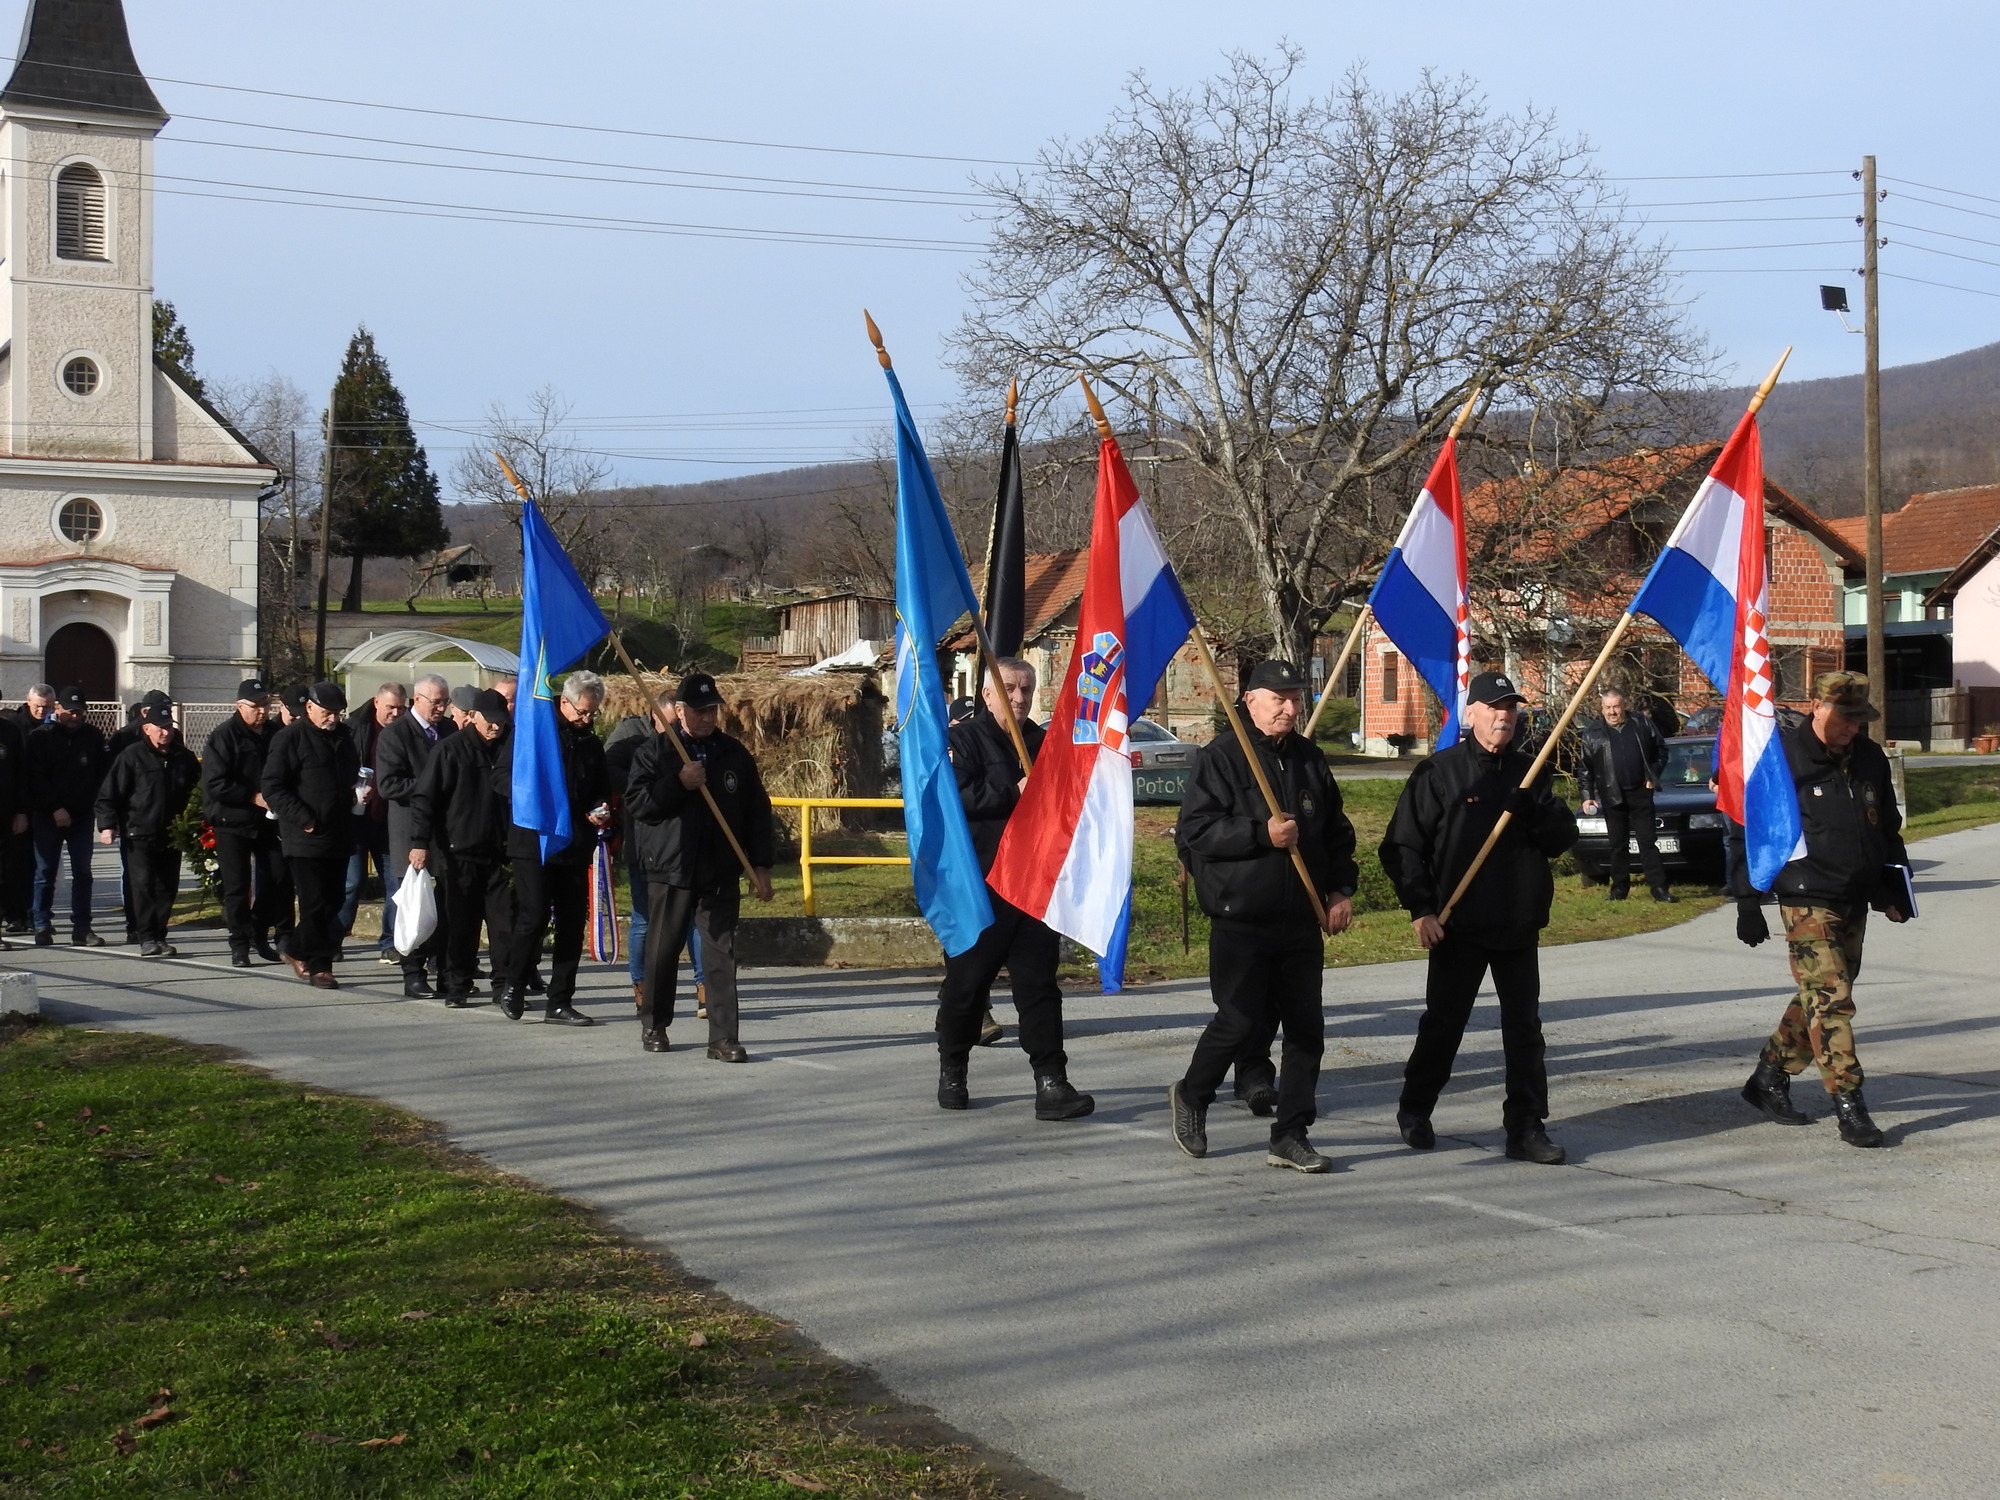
{"x": 1975, "y": 630}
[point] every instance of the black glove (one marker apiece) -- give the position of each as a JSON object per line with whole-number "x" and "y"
{"x": 1751, "y": 928}
{"x": 1521, "y": 805}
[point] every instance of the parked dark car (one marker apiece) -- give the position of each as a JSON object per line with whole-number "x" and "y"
{"x": 1688, "y": 828}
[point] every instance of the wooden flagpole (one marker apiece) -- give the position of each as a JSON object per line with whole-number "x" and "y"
{"x": 993, "y": 536}
{"x": 1367, "y": 612}
{"x": 1228, "y": 703}
{"x": 1582, "y": 688}
{"x": 640, "y": 677}
{"x": 978, "y": 625}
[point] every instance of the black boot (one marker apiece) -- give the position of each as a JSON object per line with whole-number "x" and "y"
{"x": 1530, "y": 1142}
{"x": 952, "y": 1090}
{"x": 415, "y": 986}
{"x": 1056, "y": 1100}
{"x": 1770, "y": 1091}
{"x": 1856, "y": 1127}
{"x": 239, "y": 955}
{"x": 1416, "y": 1131}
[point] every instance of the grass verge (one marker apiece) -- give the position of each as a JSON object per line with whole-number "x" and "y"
{"x": 1944, "y": 799}
{"x": 215, "y": 1283}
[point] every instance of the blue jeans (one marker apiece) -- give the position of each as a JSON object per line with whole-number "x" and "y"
{"x": 369, "y": 839}
{"x": 50, "y": 841}
{"x": 635, "y": 882}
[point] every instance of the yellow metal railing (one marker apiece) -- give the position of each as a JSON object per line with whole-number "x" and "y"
{"x": 807, "y": 859}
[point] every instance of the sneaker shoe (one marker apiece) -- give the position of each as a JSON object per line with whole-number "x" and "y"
{"x": 1261, "y": 1097}
{"x": 45, "y": 937}
{"x": 990, "y": 1030}
{"x": 154, "y": 950}
{"x": 387, "y": 956}
{"x": 86, "y": 939}
{"x": 1532, "y": 1143}
{"x": 953, "y": 1092}
{"x": 1190, "y": 1121}
{"x": 1296, "y": 1152}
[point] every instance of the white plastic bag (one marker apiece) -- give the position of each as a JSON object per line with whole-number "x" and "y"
{"x": 416, "y": 910}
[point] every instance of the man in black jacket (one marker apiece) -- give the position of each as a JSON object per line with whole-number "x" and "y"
{"x": 401, "y": 753}
{"x": 312, "y": 781}
{"x": 13, "y": 814}
{"x": 561, "y": 882}
{"x": 458, "y": 831}
{"x": 990, "y": 779}
{"x": 144, "y": 791}
{"x": 17, "y": 853}
{"x": 692, "y": 873}
{"x": 1266, "y": 951}
{"x": 368, "y": 724}
{"x": 1853, "y": 835}
{"x": 65, "y": 764}
{"x": 132, "y": 732}
{"x": 256, "y": 882}
{"x": 1449, "y": 805}
{"x": 1623, "y": 760}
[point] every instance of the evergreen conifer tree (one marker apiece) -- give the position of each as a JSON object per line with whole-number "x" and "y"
{"x": 173, "y": 347}
{"x": 385, "y": 497}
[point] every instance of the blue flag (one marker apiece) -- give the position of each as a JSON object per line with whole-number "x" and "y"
{"x": 932, "y": 590}
{"x": 559, "y": 622}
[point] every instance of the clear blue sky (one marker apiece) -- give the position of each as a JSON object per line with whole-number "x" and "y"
{"x": 654, "y": 328}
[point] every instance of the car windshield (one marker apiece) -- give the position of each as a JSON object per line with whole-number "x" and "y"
{"x": 1146, "y": 729}
{"x": 1689, "y": 763}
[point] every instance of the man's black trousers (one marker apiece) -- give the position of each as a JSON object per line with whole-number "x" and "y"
{"x": 671, "y": 911}
{"x": 471, "y": 891}
{"x": 17, "y": 875}
{"x": 540, "y": 889}
{"x": 321, "y": 881}
{"x": 152, "y": 876}
{"x": 256, "y": 884}
{"x": 1457, "y": 966}
{"x": 1623, "y": 824}
{"x": 1029, "y": 950}
{"x": 1265, "y": 978}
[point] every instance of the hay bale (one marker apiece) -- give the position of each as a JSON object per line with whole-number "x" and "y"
{"x": 812, "y": 736}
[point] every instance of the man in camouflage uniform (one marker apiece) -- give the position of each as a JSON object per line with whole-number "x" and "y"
{"x": 1853, "y": 834}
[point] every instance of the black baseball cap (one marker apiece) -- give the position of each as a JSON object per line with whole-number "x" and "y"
{"x": 465, "y": 697}
{"x": 161, "y": 714}
{"x": 148, "y": 699}
{"x": 328, "y": 695}
{"x": 698, "y": 690}
{"x": 294, "y": 698}
{"x": 1494, "y": 689}
{"x": 252, "y": 690}
{"x": 1275, "y": 676}
{"x": 72, "y": 698}
{"x": 491, "y": 707}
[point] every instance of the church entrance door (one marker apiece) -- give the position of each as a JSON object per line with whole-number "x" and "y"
{"x": 81, "y": 655}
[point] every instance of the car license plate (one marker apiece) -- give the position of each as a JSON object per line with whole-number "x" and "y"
{"x": 1170, "y": 758}
{"x": 1666, "y": 843}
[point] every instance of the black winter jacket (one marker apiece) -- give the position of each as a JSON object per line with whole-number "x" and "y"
{"x": 1448, "y": 806}
{"x": 65, "y": 765}
{"x": 400, "y": 756}
{"x": 1226, "y": 844}
{"x": 676, "y": 840}
{"x": 989, "y": 776}
{"x": 621, "y": 748}
{"x": 1853, "y": 828}
{"x": 309, "y": 777}
{"x": 589, "y": 785}
{"x": 456, "y": 808}
{"x": 13, "y": 772}
{"x": 232, "y": 775}
{"x": 145, "y": 789}
{"x": 1597, "y": 768}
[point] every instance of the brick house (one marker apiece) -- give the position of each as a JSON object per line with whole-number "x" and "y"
{"x": 1619, "y": 514}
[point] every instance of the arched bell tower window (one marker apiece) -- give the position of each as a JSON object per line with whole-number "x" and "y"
{"x": 80, "y": 216}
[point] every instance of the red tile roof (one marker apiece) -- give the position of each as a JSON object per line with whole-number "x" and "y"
{"x": 1054, "y": 582}
{"x": 1934, "y": 532}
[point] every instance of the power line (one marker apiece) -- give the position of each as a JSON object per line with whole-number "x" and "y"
{"x": 1705, "y": 176}
{"x": 1970, "y": 239}
{"x": 1920, "y": 281}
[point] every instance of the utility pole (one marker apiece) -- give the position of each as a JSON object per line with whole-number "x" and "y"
{"x": 1871, "y": 443}
{"x": 325, "y": 535}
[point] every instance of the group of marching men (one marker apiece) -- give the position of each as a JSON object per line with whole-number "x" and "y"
{"x": 1266, "y": 933}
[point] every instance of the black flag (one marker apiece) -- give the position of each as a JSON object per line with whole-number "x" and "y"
{"x": 1007, "y": 552}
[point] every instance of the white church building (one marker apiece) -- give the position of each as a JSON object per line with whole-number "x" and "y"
{"x": 128, "y": 507}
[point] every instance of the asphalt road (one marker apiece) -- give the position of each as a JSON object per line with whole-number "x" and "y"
{"x": 1699, "y": 1305}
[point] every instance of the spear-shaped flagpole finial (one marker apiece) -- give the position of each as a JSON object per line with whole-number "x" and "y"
{"x": 1013, "y": 399}
{"x": 1465, "y": 415}
{"x": 875, "y": 338}
{"x": 1096, "y": 409}
{"x": 512, "y": 478}
{"x": 1770, "y": 380}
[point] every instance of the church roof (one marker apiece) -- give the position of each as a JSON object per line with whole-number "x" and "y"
{"x": 78, "y": 53}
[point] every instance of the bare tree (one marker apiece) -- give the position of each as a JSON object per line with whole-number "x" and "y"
{"x": 1292, "y": 297}
{"x": 563, "y": 476}
{"x": 277, "y": 416}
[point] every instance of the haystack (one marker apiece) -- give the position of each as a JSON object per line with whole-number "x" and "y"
{"x": 812, "y": 736}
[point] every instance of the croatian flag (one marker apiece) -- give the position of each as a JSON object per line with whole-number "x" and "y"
{"x": 1710, "y": 589}
{"x": 1066, "y": 856}
{"x": 1420, "y": 598}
